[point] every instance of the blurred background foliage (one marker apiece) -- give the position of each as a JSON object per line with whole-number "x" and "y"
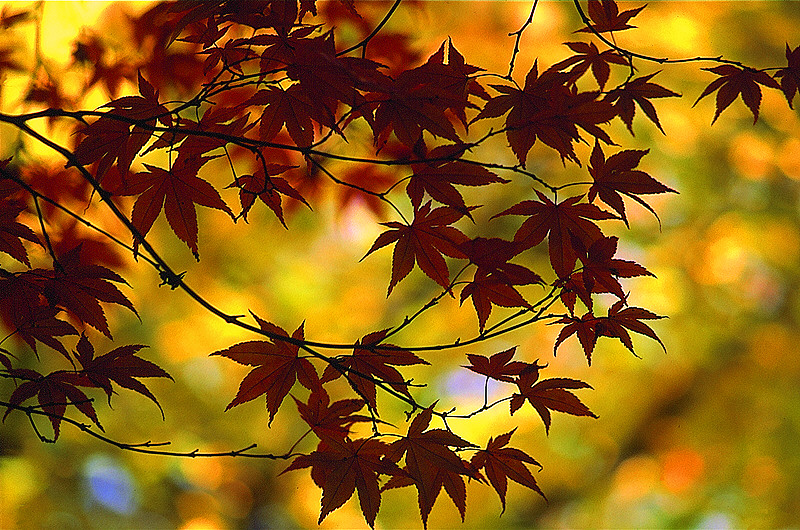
{"x": 705, "y": 435}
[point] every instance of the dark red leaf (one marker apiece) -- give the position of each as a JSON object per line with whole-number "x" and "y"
{"x": 550, "y": 394}
{"x": 501, "y": 463}
{"x": 277, "y": 366}
{"x": 369, "y": 364}
{"x": 560, "y": 223}
{"x": 735, "y": 81}
{"x": 423, "y": 242}
{"x": 500, "y": 366}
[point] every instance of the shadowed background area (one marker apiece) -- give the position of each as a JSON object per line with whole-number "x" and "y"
{"x": 704, "y": 435}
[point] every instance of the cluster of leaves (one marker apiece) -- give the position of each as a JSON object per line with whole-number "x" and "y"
{"x": 271, "y": 89}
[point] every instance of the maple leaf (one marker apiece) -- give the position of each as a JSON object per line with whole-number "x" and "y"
{"x": 548, "y": 110}
{"x": 345, "y": 467}
{"x": 369, "y": 364}
{"x": 266, "y": 186}
{"x": 617, "y": 176}
{"x": 790, "y": 76}
{"x": 277, "y": 367}
{"x": 109, "y": 139}
{"x": 501, "y": 463}
{"x": 549, "y": 394}
{"x": 573, "y": 288}
{"x": 175, "y": 192}
{"x": 54, "y": 392}
{"x": 735, "y": 81}
{"x": 601, "y": 270}
{"x": 418, "y": 100}
{"x": 616, "y": 325}
{"x": 588, "y": 56}
{"x": 13, "y": 232}
{"x": 437, "y": 178}
{"x": 639, "y": 91}
{"x": 431, "y": 464}
{"x": 584, "y": 327}
{"x": 288, "y": 108}
{"x": 500, "y": 366}
{"x": 32, "y": 322}
{"x": 120, "y": 365}
{"x": 620, "y": 320}
{"x": 79, "y": 288}
{"x": 488, "y": 290}
{"x": 330, "y": 421}
{"x": 606, "y": 17}
{"x": 560, "y": 223}
{"x": 423, "y": 242}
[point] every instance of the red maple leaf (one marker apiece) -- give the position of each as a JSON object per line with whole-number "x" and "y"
{"x": 277, "y": 367}
{"x": 549, "y": 394}
{"x": 735, "y": 81}
{"x": 617, "y": 176}
{"x": 55, "y": 392}
{"x": 431, "y": 464}
{"x": 109, "y": 139}
{"x": 330, "y": 421}
{"x": 31, "y": 321}
{"x": 288, "y": 108}
{"x": 423, "y": 242}
{"x": 500, "y": 366}
{"x": 488, "y": 290}
{"x": 340, "y": 469}
{"x": 437, "y": 178}
{"x": 79, "y": 288}
{"x": 418, "y": 100}
{"x": 606, "y": 17}
{"x": 369, "y": 364}
{"x": 548, "y": 109}
{"x": 120, "y": 365}
{"x": 501, "y": 463}
{"x": 639, "y": 91}
{"x": 265, "y": 185}
{"x": 601, "y": 270}
{"x": 175, "y": 191}
{"x": 616, "y": 325}
{"x": 620, "y": 320}
{"x": 588, "y": 56}
{"x": 790, "y": 76}
{"x": 584, "y": 327}
{"x": 13, "y": 232}
{"x": 560, "y": 223}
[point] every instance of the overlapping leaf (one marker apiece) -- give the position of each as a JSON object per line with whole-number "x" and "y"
{"x": 431, "y": 464}
{"x": 369, "y": 364}
{"x": 277, "y": 366}
{"x": 619, "y": 321}
{"x": 560, "y": 223}
{"x": 499, "y": 366}
{"x": 790, "y": 76}
{"x": 54, "y": 392}
{"x": 547, "y": 109}
{"x": 343, "y": 468}
{"x": 120, "y": 365}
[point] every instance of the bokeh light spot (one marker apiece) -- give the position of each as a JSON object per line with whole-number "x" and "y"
{"x": 109, "y": 485}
